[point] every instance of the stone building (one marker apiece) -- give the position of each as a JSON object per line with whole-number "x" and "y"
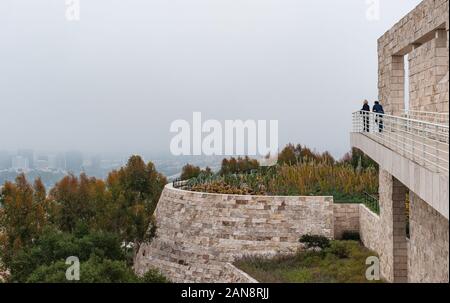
{"x": 410, "y": 143}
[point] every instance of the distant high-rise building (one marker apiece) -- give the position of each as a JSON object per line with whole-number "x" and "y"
{"x": 96, "y": 162}
{"x": 74, "y": 161}
{"x": 60, "y": 160}
{"x": 27, "y": 154}
{"x": 53, "y": 162}
{"x": 20, "y": 163}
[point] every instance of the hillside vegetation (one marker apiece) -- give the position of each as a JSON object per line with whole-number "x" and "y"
{"x": 102, "y": 223}
{"x": 298, "y": 172}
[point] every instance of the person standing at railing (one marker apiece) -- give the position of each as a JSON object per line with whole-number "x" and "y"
{"x": 365, "y": 113}
{"x": 378, "y": 109}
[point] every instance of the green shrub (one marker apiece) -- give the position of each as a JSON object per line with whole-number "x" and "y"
{"x": 54, "y": 246}
{"x": 154, "y": 276}
{"x": 351, "y": 236}
{"x": 339, "y": 249}
{"x": 94, "y": 270}
{"x": 315, "y": 241}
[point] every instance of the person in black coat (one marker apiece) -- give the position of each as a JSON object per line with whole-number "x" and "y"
{"x": 378, "y": 108}
{"x": 365, "y": 113}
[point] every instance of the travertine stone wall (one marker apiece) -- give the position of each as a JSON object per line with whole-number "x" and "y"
{"x": 346, "y": 218}
{"x": 423, "y": 34}
{"x": 429, "y": 244}
{"x": 392, "y": 245}
{"x": 232, "y": 274}
{"x": 428, "y": 68}
{"x": 370, "y": 226}
{"x": 198, "y": 233}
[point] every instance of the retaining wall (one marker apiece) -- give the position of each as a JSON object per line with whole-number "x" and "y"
{"x": 198, "y": 233}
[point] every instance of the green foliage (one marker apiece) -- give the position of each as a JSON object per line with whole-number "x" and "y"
{"x": 342, "y": 182}
{"x": 290, "y": 155}
{"x": 135, "y": 190}
{"x": 54, "y": 273}
{"x": 77, "y": 201}
{"x": 124, "y": 204}
{"x": 298, "y": 154}
{"x": 315, "y": 241}
{"x": 94, "y": 270}
{"x": 190, "y": 171}
{"x": 238, "y": 166}
{"x": 154, "y": 276}
{"x": 22, "y": 215}
{"x": 83, "y": 217}
{"x": 339, "y": 249}
{"x": 326, "y": 266}
{"x": 299, "y": 172}
{"x": 54, "y": 245}
{"x": 358, "y": 160}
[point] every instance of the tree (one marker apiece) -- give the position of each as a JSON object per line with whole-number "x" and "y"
{"x": 290, "y": 155}
{"x": 53, "y": 246}
{"x": 357, "y": 158}
{"x": 23, "y": 215}
{"x": 190, "y": 171}
{"x": 83, "y": 217}
{"x": 239, "y": 165}
{"x": 78, "y": 200}
{"x": 135, "y": 189}
{"x": 94, "y": 270}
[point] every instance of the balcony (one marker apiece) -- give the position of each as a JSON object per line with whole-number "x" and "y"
{"x": 414, "y": 151}
{"x": 410, "y": 135}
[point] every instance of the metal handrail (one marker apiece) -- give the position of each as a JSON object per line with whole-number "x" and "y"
{"x": 179, "y": 183}
{"x": 433, "y": 117}
{"x": 372, "y": 202}
{"x": 421, "y": 141}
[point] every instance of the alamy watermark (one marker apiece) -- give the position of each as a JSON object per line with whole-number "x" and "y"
{"x": 72, "y": 10}
{"x": 73, "y": 271}
{"x": 257, "y": 138}
{"x": 373, "y": 10}
{"x": 373, "y": 270}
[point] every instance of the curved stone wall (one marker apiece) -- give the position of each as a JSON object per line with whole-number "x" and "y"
{"x": 198, "y": 233}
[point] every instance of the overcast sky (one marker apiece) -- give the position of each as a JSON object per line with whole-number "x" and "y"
{"x": 117, "y": 78}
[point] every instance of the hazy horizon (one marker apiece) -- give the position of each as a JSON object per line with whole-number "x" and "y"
{"x": 116, "y": 79}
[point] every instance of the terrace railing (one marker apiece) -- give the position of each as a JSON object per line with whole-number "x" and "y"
{"x": 423, "y": 142}
{"x": 432, "y": 117}
{"x": 372, "y": 202}
{"x": 179, "y": 183}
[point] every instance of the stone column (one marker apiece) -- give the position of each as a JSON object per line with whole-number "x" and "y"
{"x": 393, "y": 244}
{"x": 397, "y": 86}
{"x": 440, "y": 72}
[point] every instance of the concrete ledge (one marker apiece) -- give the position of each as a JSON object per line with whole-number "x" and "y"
{"x": 236, "y": 275}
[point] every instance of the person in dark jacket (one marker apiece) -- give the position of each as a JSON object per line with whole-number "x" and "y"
{"x": 378, "y": 108}
{"x": 365, "y": 114}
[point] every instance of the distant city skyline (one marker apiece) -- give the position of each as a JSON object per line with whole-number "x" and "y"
{"x": 52, "y": 166}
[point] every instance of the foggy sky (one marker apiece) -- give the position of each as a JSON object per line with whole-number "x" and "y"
{"x": 115, "y": 80}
